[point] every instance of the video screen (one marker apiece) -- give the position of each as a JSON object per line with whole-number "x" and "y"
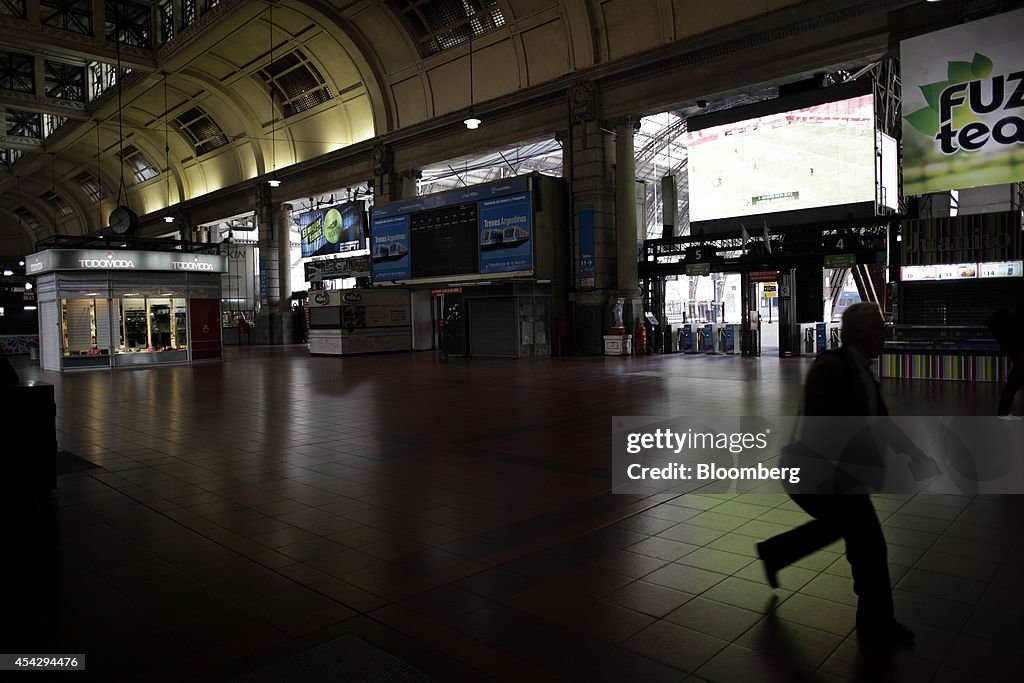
{"x": 816, "y": 156}
{"x": 333, "y": 230}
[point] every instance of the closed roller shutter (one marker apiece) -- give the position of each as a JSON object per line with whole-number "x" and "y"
{"x": 492, "y": 327}
{"x": 964, "y": 303}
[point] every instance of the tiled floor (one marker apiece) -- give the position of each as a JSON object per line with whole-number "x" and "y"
{"x": 457, "y": 514}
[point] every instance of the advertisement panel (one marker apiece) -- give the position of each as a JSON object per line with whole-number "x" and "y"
{"x": 332, "y": 230}
{"x": 389, "y": 254}
{"x": 963, "y": 104}
{"x": 506, "y": 231}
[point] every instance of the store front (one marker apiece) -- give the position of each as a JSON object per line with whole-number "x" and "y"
{"x": 954, "y": 273}
{"x": 102, "y": 309}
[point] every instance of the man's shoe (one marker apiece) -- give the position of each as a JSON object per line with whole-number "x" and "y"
{"x": 770, "y": 570}
{"x": 891, "y": 633}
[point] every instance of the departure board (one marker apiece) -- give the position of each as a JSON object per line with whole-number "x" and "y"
{"x": 445, "y": 241}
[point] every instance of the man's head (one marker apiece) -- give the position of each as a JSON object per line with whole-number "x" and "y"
{"x": 864, "y": 329}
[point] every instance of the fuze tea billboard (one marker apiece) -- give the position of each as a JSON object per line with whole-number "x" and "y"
{"x": 963, "y": 106}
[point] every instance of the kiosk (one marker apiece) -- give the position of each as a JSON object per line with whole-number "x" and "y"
{"x": 103, "y": 308}
{"x": 350, "y": 321}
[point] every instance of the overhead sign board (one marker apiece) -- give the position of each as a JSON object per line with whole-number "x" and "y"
{"x": 472, "y": 232}
{"x": 963, "y": 105}
{"x": 840, "y": 260}
{"x": 118, "y": 259}
{"x": 764, "y": 275}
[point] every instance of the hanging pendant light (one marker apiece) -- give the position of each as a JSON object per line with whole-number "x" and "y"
{"x": 472, "y": 122}
{"x": 167, "y": 153}
{"x": 273, "y": 182}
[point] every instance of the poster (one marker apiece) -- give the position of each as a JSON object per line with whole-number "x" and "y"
{"x": 963, "y": 106}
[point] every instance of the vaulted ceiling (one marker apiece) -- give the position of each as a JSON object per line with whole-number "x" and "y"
{"x": 152, "y": 103}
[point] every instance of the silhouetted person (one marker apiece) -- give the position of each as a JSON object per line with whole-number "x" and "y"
{"x": 1008, "y": 329}
{"x": 840, "y": 383}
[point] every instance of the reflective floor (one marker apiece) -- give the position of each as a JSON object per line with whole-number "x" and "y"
{"x": 456, "y": 514}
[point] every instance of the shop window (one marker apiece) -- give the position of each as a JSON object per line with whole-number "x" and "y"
{"x": 153, "y": 324}
{"x": 85, "y": 326}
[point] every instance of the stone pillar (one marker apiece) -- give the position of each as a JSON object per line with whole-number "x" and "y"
{"x": 409, "y": 188}
{"x": 269, "y": 271}
{"x": 390, "y": 185}
{"x": 282, "y": 230}
{"x": 627, "y": 281}
{"x": 587, "y": 150}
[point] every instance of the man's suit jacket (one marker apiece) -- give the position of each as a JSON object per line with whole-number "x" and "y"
{"x": 849, "y": 445}
{"x": 834, "y": 387}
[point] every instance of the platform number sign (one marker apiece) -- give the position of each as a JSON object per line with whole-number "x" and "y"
{"x": 701, "y": 254}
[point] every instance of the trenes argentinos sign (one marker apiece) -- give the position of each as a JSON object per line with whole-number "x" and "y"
{"x": 963, "y": 106}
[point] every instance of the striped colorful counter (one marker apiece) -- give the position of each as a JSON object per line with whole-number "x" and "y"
{"x": 955, "y": 365}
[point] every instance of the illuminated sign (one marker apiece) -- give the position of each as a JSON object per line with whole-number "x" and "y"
{"x": 95, "y": 259}
{"x": 961, "y": 271}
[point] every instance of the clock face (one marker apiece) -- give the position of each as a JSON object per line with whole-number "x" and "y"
{"x": 122, "y": 220}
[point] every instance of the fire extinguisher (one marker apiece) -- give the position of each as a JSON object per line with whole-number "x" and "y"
{"x": 640, "y": 338}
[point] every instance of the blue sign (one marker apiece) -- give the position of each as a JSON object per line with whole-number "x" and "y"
{"x": 475, "y": 193}
{"x": 389, "y": 253}
{"x": 588, "y": 264}
{"x": 263, "y": 278}
{"x": 506, "y": 233}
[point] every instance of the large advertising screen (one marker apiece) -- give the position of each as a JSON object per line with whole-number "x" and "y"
{"x": 332, "y": 230}
{"x": 963, "y": 106}
{"x": 814, "y": 156}
{"x": 474, "y": 232}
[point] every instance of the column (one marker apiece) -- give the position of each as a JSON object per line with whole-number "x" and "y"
{"x": 627, "y": 282}
{"x": 269, "y": 296}
{"x": 390, "y": 185}
{"x": 282, "y": 228}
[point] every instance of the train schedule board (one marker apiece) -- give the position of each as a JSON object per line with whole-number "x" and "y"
{"x": 475, "y": 232}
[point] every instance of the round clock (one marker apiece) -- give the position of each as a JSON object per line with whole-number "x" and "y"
{"x": 123, "y": 220}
